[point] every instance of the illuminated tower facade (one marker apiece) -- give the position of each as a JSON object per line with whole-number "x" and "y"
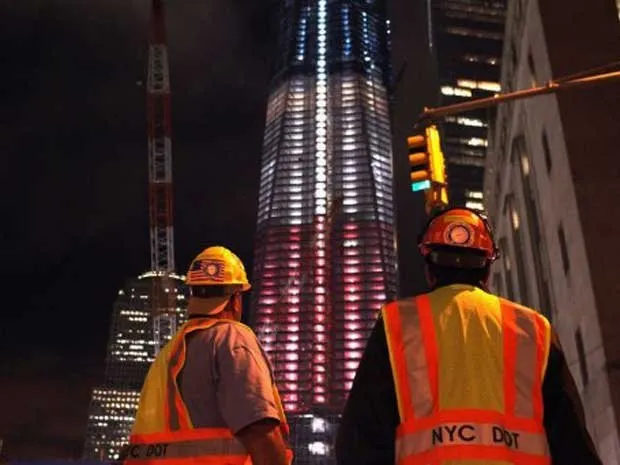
{"x": 325, "y": 247}
{"x": 467, "y": 38}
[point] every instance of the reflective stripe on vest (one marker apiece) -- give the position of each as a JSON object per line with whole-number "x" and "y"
{"x": 180, "y": 440}
{"x": 187, "y": 449}
{"x": 430, "y": 434}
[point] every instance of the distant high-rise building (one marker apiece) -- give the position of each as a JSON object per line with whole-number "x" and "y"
{"x": 552, "y": 192}
{"x": 132, "y": 347}
{"x": 325, "y": 247}
{"x": 466, "y": 37}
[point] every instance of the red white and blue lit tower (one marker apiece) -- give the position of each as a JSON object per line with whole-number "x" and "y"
{"x": 325, "y": 248}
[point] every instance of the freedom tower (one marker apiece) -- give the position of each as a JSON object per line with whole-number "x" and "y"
{"x": 325, "y": 253}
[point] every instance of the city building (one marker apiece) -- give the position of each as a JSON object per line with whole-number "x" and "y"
{"x": 466, "y": 38}
{"x": 325, "y": 247}
{"x": 552, "y": 190}
{"x": 134, "y": 340}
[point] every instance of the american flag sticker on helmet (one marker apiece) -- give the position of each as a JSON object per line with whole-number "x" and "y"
{"x": 212, "y": 270}
{"x": 461, "y": 234}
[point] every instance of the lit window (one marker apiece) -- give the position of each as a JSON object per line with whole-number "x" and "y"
{"x": 319, "y": 425}
{"x": 525, "y": 164}
{"x": 477, "y": 142}
{"x": 447, "y": 90}
{"x": 351, "y": 365}
{"x": 515, "y": 219}
{"x": 353, "y": 345}
{"x": 466, "y": 121}
{"x": 473, "y": 194}
{"x": 474, "y": 205}
{"x": 467, "y": 83}
{"x": 490, "y": 86}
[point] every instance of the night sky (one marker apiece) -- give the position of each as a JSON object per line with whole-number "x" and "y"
{"x": 73, "y": 181}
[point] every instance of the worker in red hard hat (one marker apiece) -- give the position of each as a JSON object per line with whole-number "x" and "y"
{"x": 459, "y": 375}
{"x": 210, "y": 396}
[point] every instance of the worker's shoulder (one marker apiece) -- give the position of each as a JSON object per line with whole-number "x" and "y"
{"x": 232, "y": 333}
{"x": 524, "y": 310}
{"x": 400, "y": 302}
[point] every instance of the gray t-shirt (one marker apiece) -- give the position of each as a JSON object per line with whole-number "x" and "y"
{"x": 227, "y": 379}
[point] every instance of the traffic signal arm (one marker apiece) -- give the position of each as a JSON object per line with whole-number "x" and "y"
{"x": 433, "y": 114}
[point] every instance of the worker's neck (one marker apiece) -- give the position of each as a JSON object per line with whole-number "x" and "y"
{"x": 442, "y": 283}
{"x": 224, "y": 315}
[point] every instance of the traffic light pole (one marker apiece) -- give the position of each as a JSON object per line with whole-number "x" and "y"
{"x": 432, "y": 114}
{"x": 426, "y": 149}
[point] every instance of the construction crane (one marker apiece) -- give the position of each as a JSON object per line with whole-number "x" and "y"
{"x": 163, "y": 297}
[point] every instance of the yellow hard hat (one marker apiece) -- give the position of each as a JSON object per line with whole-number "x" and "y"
{"x": 217, "y": 266}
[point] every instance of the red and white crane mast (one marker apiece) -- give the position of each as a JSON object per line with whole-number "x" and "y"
{"x": 163, "y": 297}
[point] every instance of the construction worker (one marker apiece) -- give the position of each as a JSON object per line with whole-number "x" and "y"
{"x": 460, "y": 375}
{"x": 209, "y": 396}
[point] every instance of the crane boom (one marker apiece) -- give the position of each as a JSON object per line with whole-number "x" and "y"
{"x": 160, "y": 155}
{"x": 163, "y": 295}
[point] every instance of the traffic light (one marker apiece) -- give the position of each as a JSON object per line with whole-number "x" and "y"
{"x": 419, "y": 162}
{"x": 427, "y": 168}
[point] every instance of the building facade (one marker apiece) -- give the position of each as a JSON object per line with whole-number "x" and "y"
{"x": 466, "y": 38}
{"x": 325, "y": 247}
{"x": 551, "y": 188}
{"x": 134, "y": 340}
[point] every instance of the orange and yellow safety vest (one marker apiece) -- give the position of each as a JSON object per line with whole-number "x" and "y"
{"x": 468, "y": 370}
{"x": 163, "y": 433}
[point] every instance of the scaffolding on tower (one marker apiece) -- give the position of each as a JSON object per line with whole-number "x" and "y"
{"x": 163, "y": 298}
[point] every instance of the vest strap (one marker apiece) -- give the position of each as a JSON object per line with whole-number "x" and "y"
{"x": 480, "y": 439}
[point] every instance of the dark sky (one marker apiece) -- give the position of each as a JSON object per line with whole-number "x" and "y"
{"x": 73, "y": 181}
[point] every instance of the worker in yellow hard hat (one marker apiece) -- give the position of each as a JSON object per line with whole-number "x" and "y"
{"x": 209, "y": 396}
{"x": 460, "y": 376}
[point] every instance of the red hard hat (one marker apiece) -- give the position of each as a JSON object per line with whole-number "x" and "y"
{"x": 459, "y": 227}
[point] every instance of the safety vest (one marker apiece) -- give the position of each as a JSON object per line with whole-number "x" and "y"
{"x": 163, "y": 433}
{"x": 459, "y": 401}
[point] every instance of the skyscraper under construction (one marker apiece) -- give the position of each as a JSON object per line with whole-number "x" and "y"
{"x": 325, "y": 247}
